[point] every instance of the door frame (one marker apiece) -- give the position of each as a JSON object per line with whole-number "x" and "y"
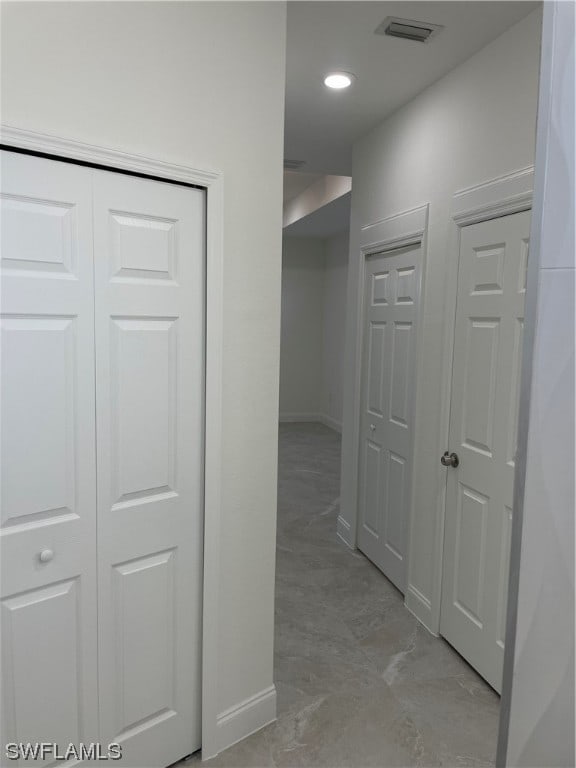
{"x": 409, "y": 228}
{"x": 63, "y": 149}
{"x": 501, "y": 196}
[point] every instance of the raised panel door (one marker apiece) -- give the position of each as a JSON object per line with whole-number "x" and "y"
{"x": 149, "y": 248}
{"x": 391, "y": 298}
{"x": 483, "y": 426}
{"x": 48, "y": 499}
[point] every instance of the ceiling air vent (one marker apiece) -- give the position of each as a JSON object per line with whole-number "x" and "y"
{"x": 293, "y": 165}
{"x": 421, "y": 31}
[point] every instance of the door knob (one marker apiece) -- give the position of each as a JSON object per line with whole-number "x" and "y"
{"x": 372, "y": 427}
{"x": 46, "y": 555}
{"x": 450, "y": 459}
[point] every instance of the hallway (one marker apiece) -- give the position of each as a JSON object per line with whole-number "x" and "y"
{"x": 360, "y": 682}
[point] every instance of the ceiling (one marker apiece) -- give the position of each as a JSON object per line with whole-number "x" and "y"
{"x": 320, "y": 124}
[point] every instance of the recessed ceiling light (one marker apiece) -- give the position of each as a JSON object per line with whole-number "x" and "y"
{"x": 338, "y": 80}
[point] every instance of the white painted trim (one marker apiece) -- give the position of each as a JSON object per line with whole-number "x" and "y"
{"x": 296, "y": 417}
{"x": 212, "y": 462}
{"x": 418, "y": 599}
{"x": 500, "y": 196}
{"x": 320, "y": 418}
{"x": 247, "y": 717}
{"x": 408, "y": 228}
{"x": 111, "y": 158}
{"x": 414, "y": 594}
{"x": 344, "y": 532}
{"x": 213, "y": 182}
{"x": 331, "y": 423}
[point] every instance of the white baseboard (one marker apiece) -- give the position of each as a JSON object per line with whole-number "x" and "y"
{"x": 288, "y": 417}
{"x": 328, "y": 421}
{"x": 344, "y": 532}
{"x": 245, "y": 718}
{"x": 321, "y": 418}
{"x": 420, "y": 607}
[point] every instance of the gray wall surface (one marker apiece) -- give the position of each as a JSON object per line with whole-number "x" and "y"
{"x": 537, "y": 721}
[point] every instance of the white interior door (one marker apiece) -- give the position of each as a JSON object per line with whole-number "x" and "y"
{"x": 391, "y": 299}
{"x": 149, "y": 246}
{"x": 483, "y": 429}
{"x": 48, "y": 518}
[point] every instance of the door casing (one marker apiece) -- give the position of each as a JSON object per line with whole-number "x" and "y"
{"x": 408, "y": 228}
{"x": 58, "y": 148}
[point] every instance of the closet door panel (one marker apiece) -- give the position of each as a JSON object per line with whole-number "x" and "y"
{"x": 149, "y": 240}
{"x": 48, "y": 480}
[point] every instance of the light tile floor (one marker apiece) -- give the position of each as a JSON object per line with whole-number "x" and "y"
{"x": 360, "y": 682}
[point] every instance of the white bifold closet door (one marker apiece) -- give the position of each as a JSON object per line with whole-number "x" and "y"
{"x": 391, "y": 300}
{"x": 102, "y": 440}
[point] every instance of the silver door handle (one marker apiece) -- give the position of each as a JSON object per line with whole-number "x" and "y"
{"x": 450, "y": 459}
{"x": 372, "y": 427}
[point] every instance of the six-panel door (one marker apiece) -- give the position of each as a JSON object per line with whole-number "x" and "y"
{"x": 102, "y": 438}
{"x": 391, "y": 298}
{"x": 483, "y": 429}
{"x": 48, "y": 518}
{"x": 149, "y": 274}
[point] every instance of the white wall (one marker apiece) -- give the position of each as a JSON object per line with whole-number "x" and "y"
{"x": 335, "y": 285}
{"x": 476, "y": 123}
{"x": 201, "y": 84}
{"x": 537, "y": 720}
{"x": 303, "y": 261}
{"x": 314, "y": 281}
